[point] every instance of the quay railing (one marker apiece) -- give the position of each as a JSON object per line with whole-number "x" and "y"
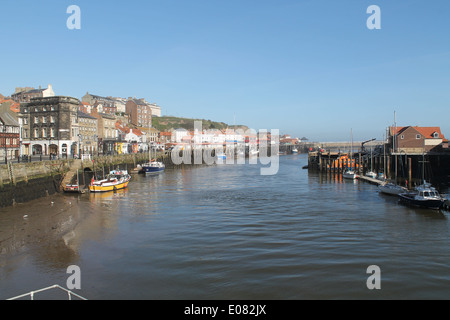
{"x": 32, "y": 293}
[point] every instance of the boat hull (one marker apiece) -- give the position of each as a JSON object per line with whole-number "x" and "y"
{"x": 392, "y": 190}
{"x": 410, "y": 199}
{"x": 349, "y": 175}
{"x": 107, "y": 188}
{"x": 152, "y": 169}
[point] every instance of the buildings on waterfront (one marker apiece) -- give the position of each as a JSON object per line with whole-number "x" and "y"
{"x": 417, "y": 140}
{"x": 69, "y": 127}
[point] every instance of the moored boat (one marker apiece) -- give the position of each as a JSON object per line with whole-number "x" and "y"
{"x": 392, "y": 189}
{"x": 349, "y": 174}
{"x": 221, "y": 156}
{"x": 424, "y": 196}
{"x": 116, "y": 180}
{"x": 371, "y": 174}
{"x": 153, "y": 167}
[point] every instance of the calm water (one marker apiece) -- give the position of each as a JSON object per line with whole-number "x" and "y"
{"x": 226, "y": 232}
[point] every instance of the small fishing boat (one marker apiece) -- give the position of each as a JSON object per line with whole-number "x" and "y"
{"x": 294, "y": 150}
{"x": 392, "y": 189}
{"x": 424, "y": 196}
{"x": 153, "y": 167}
{"x": 116, "y": 180}
{"x": 73, "y": 188}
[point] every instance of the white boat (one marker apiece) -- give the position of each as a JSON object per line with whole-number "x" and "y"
{"x": 392, "y": 189}
{"x": 294, "y": 150}
{"x": 349, "y": 174}
{"x": 371, "y": 174}
{"x": 253, "y": 153}
{"x": 221, "y": 156}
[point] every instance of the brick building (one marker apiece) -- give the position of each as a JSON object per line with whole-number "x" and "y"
{"x": 416, "y": 140}
{"x": 140, "y": 112}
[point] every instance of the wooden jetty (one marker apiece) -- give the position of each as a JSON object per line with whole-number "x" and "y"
{"x": 371, "y": 180}
{"x": 406, "y": 169}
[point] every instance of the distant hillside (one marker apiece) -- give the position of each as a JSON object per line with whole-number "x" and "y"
{"x": 168, "y": 122}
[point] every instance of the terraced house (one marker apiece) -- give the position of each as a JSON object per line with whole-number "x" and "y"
{"x": 9, "y": 136}
{"x": 88, "y": 136}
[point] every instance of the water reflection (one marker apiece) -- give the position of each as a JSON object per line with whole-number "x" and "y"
{"x": 219, "y": 232}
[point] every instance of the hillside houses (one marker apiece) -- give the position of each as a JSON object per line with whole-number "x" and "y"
{"x": 68, "y": 127}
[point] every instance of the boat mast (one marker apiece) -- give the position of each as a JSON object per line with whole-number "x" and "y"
{"x": 351, "y": 149}
{"x": 384, "y": 155}
{"x": 395, "y": 147}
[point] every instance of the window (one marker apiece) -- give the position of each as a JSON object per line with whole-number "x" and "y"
{"x": 418, "y": 136}
{"x": 402, "y": 137}
{"x": 36, "y": 133}
{"x": 435, "y": 135}
{"x": 36, "y": 119}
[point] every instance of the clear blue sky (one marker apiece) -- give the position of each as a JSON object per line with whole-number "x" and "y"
{"x": 307, "y": 67}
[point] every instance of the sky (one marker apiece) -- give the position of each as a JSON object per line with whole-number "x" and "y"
{"x": 309, "y": 68}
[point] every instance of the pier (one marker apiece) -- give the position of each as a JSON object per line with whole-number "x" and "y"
{"x": 402, "y": 168}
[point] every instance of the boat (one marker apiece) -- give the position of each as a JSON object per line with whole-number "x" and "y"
{"x": 294, "y": 150}
{"x": 253, "y": 153}
{"x": 424, "y": 196}
{"x": 349, "y": 174}
{"x": 371, "y": 174}
{"x": 73, "y": 188}
{"x": 153, "y": 167}
{"x": 221, "y": 156}
{"x": 392, "y": 189}
{"x": 115, "y": 180}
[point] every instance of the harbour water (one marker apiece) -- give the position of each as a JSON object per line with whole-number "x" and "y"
{"x": 227, "y": 232}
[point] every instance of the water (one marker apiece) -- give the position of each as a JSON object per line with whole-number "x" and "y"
{"x": 226, "y": 232}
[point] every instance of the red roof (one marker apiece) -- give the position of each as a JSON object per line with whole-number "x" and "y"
{"x": 427, "y": 132}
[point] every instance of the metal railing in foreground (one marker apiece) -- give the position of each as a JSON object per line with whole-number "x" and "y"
{"x": 32, "y": 293}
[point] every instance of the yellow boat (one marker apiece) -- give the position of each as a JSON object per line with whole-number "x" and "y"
{"x": 116, "y": 180}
